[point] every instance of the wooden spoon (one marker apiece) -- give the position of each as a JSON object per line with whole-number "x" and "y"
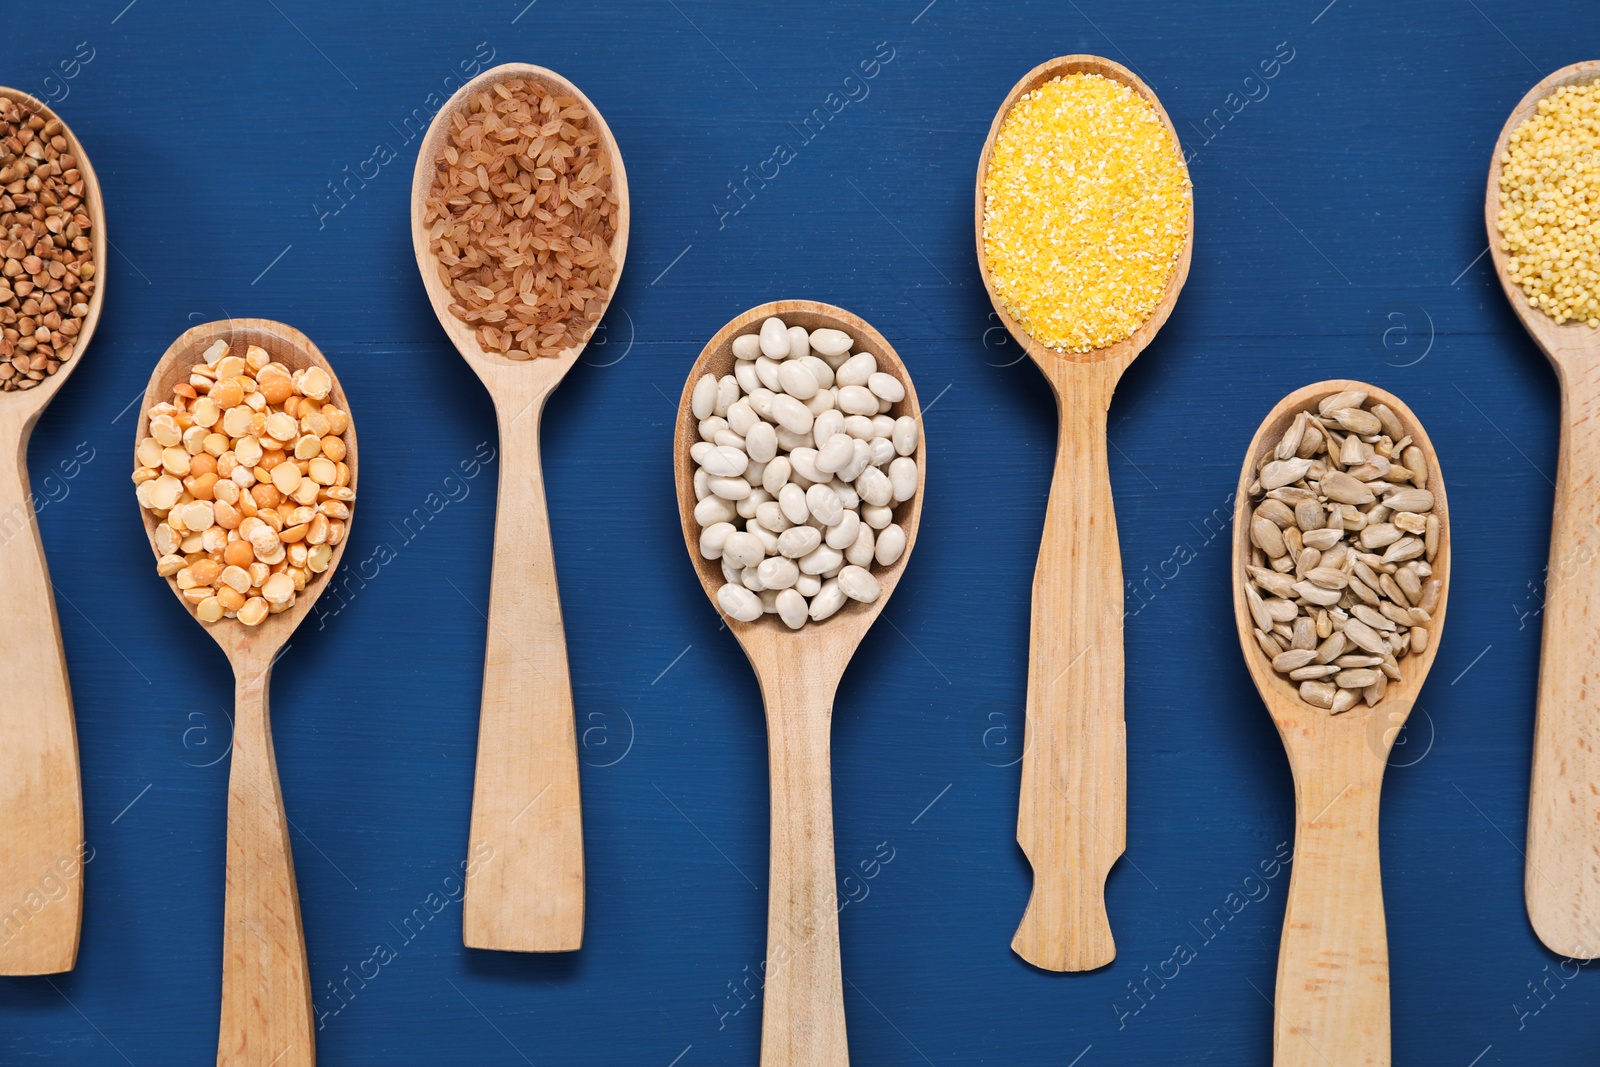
{"x": 1562, "y": 879}
{"x": 1332, "y": 1002}
{"x": 41, "y": 802}
{"x": 799, "y": 671}
{"x": 526, "y": 810}
{"x": 266, "y": 986}
{"x": 1072, "y": 819}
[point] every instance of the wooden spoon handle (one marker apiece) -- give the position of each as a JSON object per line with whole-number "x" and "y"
{"x": 802, "y": 1017}
{"x": 1562, "y": 879}
{"x": 1333, "y": 961}
{"x": 527, "y": 893}
{"x": 1072, "y": 818}
{"x": 266, "y": 984}
{"x": 41, "y": 802}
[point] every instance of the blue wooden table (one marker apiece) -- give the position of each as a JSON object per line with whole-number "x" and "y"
{"x": 256, "y": 161}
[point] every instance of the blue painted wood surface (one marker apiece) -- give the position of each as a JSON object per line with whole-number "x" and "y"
{"x": 256, "y": 160}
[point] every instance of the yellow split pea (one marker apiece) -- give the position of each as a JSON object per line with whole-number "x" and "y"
{"x": 1086, "y": 212}
{"x": 1550, "y": 205}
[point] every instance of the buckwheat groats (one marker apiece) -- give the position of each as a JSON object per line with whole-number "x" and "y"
{"x": 47, "y": 267}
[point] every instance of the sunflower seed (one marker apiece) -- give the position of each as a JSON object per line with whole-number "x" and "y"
{"x": 1340, "y": 486}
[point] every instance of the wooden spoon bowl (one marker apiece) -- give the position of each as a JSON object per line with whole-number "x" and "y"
{"x": 1072, "y": 819}
{"x": 799, "y": 672}
{"x": 266, "y": 984}
{"x": 526, "y": 809}
{"x": 41, "y": 801}
{"x": 1562, "y": 876}
{"x": 1333, "y": 962}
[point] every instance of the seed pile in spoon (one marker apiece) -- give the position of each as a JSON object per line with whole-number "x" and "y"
{"x": 1086, "y": 211}
{"x": 47, "y": 268}
{"x": 244, "y": 469}
{"x": 521, "y": 217}
{"x": 1343, "y": 537}
{"x": 799, "y": 469}
{"x": 1550, "y": 205}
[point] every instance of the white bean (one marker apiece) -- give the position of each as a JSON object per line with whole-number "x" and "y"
{"x": 746, "y": 347}
{"x": 820, "y": 370}
{"x": 822, "y": 401}
{"x": 727, "y": 393}
{"x": 728, "y": 437}
{"x": 843, "y": 535}
{"x": 760, "y": 401}
{"x": 792, "y": 499}
{"x": 799, "y": 541}
{"x": 881, "y": 450}
{"x": 742, "y": 549}
{"x": 730, "y": 573}
{"x": 750, "y": 578}
{"x": 704, "y": 400}
{"x": 799, "y": 342}
{"x": 741, "y": 417}
{"x": 712, "y": 510}
{"x": 729, "y": 488}
{"x": 702, "y": 482}
{"x": 849, "y": 499}
{"x": 829, "y": 599}
{"x": 827, "y": 424}
{"x": 797, "y": 379}
{"x": 792, "y": 607}
{"x": 778, "y": 572}
{"x": 744, "y": 372}
{"x": 882, "y": 425}
{"x": 886, "y": 386}
{"x": 875, "y": 516}
{"x": 807, "y": 584}
{"x": 803, "y": 461}
{"x": 761, "y": 443}
{"x": 771, "y": 517}
{"x": 739, "y": 603}
{"x": 746, "y": 508}
{"x": 860, "y": 427}
{"x": 714, "y": 538}
{"x": 860, "y": 460}
{"x": 856, "y": 370}
{"x": 859, "y": 553}
{"x": 828, "y": 342}
{"x": 891, "y": 544}
{"x": 724, "y": 461}
{"x": 857, "y": 400}
{"x": 776, "y": 474}
{"x": 769, "y": 601}
{"x": 791, "y": 414}
{"x": 824, "y": 504}
{"x": 903, "y": 476}
{"x": 788, "y": 440}
{"x": 906, "y": 434}
{"x": 768, "y": 539}
{"x": 709, "y": 428}
{"x": 836, "y": 452}
{"x": 821, "y": 560}
{"x": 875, "y": 487}
{"x": 857, "y": 583}
{"x": 774, "y": 339}
{"x": 767, "y": 371}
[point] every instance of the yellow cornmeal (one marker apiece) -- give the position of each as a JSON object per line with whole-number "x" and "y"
{"x": 1550, "y": 204}
{"x": 1086, "y": 210}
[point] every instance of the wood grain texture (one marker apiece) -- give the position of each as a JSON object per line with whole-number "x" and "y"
{"x": 528, "y": 895}
{"x": 1072, "y": 815}
{"x": 1562, "y": 876}
{"x": 1332, "y": 1001}
{"x": 266, "y": 982}
{"x": 802, "y": 1020}
{"x": 41, "y": 799}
